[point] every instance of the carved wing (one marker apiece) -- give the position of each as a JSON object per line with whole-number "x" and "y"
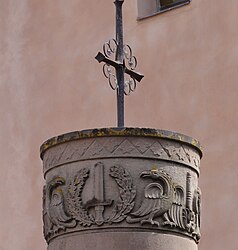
{"x": 148, "y": 206}
{"x": 175, "y": 215}
{"x": 57, "y": 210}
{"x": 152, "y": 201}
{"x": 154, "y": 191}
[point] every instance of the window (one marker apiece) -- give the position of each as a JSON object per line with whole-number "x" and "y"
{"x": 148, "y": 8}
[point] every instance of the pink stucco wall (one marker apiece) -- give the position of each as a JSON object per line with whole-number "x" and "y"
{"x": 51, "y": 84}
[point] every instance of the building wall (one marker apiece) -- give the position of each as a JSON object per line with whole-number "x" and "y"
{"x": 51, "y": 84}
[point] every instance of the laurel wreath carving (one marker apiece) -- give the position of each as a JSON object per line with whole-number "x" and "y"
{"x": 70, "y": 211}
{"x": 127, "y": 194}
{"x": 74, "y": 198}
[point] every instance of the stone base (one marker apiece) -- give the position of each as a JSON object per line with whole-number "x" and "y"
{"x": 121, "y": 188}
{"x": 122, "y": 241}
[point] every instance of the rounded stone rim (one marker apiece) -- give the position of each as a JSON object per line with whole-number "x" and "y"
{"x": 126, "y": 131}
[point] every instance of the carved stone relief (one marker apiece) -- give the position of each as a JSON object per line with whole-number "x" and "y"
{"x": 56, "y": 217}
{"x": 127, "y": 194}
{"x": 185, "y": 216}
{"x": 164, "y": 204}
{"x": 158, "y": 198}
{"x": 93, "y": 148}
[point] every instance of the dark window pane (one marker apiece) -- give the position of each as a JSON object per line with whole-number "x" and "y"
{"x": 166, "y": 4}
{"x": 151, "y": 7}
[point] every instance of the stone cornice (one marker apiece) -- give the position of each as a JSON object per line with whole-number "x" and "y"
{"x": 117, "y": 132}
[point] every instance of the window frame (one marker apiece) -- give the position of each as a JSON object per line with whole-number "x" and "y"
{"x": 160, "y": 10}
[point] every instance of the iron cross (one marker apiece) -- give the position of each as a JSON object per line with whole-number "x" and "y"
{"x": 124, "y": 63}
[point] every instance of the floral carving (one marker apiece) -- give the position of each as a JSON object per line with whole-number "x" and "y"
{"x": 127, "y": 194}
{"x": 165, "y": 204}
{"x": 74, "y": 198}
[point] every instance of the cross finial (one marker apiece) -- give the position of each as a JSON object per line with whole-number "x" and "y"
{"x": 124, "y": 63}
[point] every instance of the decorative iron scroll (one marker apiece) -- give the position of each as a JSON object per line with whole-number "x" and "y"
{"x": 110, "y": 65}
{"x": 109, "y": 49}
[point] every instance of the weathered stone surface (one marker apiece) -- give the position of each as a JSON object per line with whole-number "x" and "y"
{"x": 125, "y": 186}
{"x": 123, "y": 241}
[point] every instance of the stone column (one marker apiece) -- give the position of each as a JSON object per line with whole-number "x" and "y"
{"x": 121, "y": 188}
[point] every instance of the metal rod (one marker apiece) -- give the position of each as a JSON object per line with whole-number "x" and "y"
{"x": 120, "y": 58}
{"x": 124, "y": 63}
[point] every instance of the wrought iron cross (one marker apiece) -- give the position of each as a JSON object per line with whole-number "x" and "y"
{"x": 124, "y": 63}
